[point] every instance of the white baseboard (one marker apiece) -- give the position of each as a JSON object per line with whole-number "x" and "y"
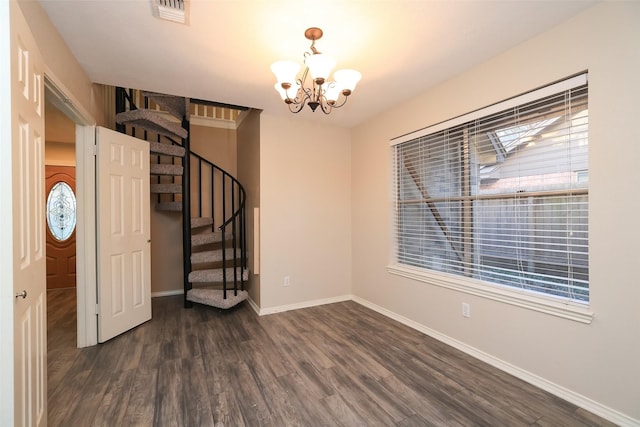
{"x": 306, "y": 304}
{"x": 167, "y": 293}
{"x": 562, "y": 392}
{"x": 254, "y": 306}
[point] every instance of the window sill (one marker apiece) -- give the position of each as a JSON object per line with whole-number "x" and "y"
{"x": 571, "y": 311}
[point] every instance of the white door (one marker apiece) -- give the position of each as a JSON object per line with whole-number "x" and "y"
{"x": 24, "y": 193}
{"x": 124, "y": 245}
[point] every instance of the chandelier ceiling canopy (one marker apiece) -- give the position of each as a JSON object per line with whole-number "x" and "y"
{"x": 319, "y": 91}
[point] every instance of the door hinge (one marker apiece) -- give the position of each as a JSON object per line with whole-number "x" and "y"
{"x": 95, "y": 150}
{"x": 97, "y": 309}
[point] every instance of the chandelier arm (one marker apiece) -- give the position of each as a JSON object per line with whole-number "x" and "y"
{"x": 344, "y": 101}
{"x": 294, "y": 100}
{"x": 298, "y": 103}
{"x": 295, "y": 107}
{"x": 308, "y": 93}
{"x": 297, "y": 99}
{"x": 324, "y": 105}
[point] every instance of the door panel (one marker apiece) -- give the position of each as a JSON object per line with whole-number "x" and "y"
{"x": 61, "y": 254}
{"x": 124, "y": 250}
{"x": 27, "y": 201}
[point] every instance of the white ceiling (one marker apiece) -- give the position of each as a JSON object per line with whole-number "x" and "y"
{"x": 401, "y": 47}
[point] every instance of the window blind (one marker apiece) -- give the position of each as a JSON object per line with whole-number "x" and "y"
{"x": 501, "y": 198}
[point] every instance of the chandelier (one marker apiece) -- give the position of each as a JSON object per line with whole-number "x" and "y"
{"x": 319, "y": 91}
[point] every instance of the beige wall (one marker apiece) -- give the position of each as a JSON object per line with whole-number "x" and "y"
{"x": 217, "y": 145}
{"x": 166, "y": 252}
{"x": 597, "y": 361}
{"x": 61, "y": 67}
{"x": 58, "y": 127}
{"x": 60, "y": 138}
{"x": 305, "y": 211}
{"x": 249, "y": 177}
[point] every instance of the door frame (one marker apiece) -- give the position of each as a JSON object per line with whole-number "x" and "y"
{"x": 86, "y": 249}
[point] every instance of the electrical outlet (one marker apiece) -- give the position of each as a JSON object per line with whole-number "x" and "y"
{"x": 286, "y": 281}
{"x": 466, "y": 310}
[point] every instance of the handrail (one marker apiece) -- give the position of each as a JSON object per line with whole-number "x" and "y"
{"x": 233, "y": 179}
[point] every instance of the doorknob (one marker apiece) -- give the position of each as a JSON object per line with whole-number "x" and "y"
{"x": 22, "y": 294}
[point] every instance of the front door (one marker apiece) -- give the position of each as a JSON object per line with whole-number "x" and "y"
{"x": 124, "y": 235}
{"x": 60, "y": 188}
{"x": 25, "y": 198}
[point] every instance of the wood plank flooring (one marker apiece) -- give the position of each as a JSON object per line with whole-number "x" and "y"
{"x": 333, "y": 365}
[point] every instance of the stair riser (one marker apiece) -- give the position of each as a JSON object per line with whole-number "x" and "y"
{"x": 207, "y": 257}
{"x": 152, "y": 122}
{"x": 166, "y": 149}
{"x": 216, "y": 246}
{"x": 165, "y": 169}
{"x": 169, "y": 207}
{"x": 216, "y": 276}
{"x": 201, "y": 222}
{"x": 214, "y": 265}
{"x": 214, "y": 298}
{"x": 205, "y": 239}
{"x": 174, "y": 105}
{"x": 166, "y": 189}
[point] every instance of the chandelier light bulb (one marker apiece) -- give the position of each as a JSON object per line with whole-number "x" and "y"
{"x": 282, "y": 91}
{"x": 290, "y": 92}
{"x": 320, "y": 66}
{"x": 285, "y": 71}
{"x": 348, "y": 79}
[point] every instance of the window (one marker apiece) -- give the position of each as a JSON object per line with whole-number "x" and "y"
{"x": 499, "y": 197}
{"x": 61, "y": 211}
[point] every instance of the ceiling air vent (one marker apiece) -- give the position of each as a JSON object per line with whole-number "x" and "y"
{"x": 171, "y": 10}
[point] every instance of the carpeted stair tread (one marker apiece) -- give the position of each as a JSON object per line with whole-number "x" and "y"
{"x": 214, "y": 256}
{"x": 177, "y": 106}
{"x": 151, "y": 121}
{"x": 166, "y": 188}
{"x": 206, "y": 238}
{"x": 169, "y": 206}
{"x": 215, "y": 275}
{"x": 167, "y": 149}
{"x": 165, "y": 169}
{"x": 215, "y": 297}
{"x": 198, "y": 222}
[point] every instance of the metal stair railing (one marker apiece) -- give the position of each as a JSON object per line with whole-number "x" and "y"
{"x": 233, "y": 225}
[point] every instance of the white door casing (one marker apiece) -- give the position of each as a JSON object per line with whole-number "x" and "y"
{"x": 27, "y": 222}
{"x": 124, "y": 248}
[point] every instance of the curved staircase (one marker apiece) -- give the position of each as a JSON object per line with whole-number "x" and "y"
{"x": 214, "y": 239}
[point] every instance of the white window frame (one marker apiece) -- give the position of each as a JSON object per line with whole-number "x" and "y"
{"x": 541, "y": 303}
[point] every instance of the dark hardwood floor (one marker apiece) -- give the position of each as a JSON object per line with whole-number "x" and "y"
{"x": 333, "y": 365}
